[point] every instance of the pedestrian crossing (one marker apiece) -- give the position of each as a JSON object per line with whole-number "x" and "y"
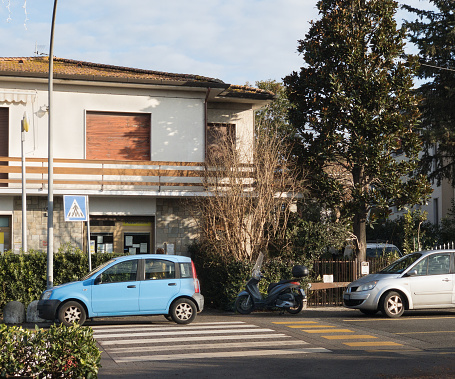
{"x": 204, "y": 340}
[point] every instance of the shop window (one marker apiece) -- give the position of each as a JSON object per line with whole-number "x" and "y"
{"x": 136, "y": 243}
{"x": 5, "y": 233}
{"x": 102, "y": 242}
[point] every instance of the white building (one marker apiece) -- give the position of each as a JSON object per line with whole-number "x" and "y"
{"x": 132, "y": 140}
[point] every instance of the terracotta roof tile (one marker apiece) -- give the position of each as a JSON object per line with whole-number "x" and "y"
{"x": 72, "y": 68}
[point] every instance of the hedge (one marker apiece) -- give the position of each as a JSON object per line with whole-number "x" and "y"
{"x": 57, "y": 352}
{"x": 23, "y": 276}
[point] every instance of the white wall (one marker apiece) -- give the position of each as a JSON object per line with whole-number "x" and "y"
{"x": 177, "y": 121}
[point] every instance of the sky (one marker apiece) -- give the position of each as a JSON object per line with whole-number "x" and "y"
{"x": 237, "y": 41}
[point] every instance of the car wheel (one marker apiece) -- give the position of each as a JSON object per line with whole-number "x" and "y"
{"x": 71, "y": 312}
{"x": 183, "y": 311}
{"x": 368, "y": 312}
{"x": 392, "y": 305}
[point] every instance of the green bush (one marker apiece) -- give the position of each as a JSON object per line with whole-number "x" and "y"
{"x": 57, "y": 352}
{"x": 23, "y": 276}
{"x": 222, "y": 278}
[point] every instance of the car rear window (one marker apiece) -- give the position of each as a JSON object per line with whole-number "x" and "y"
{"x": 185, "y": 270}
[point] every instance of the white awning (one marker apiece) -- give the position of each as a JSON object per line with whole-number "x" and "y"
{"x": 17, "y": 96}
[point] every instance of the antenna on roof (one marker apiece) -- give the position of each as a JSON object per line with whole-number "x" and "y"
{"x": 38, "y": 49}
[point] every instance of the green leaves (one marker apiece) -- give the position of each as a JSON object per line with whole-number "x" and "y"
{"x": 59, "y": 351}
{"x": 351, "y": 103}
{"x": 23, "y": 276}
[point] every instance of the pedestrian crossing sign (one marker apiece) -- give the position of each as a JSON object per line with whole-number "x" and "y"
{"x": 75, "y": 208}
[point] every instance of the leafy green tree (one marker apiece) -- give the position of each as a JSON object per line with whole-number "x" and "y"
{"x": 275, "y": 114}
{"x": 434, "y": 36}
{"x": 354, "y": 111}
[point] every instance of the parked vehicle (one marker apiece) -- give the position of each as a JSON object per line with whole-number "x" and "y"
{"x": 286, "y": 294}
{"x": 419, "y": 280}
{"x": 149, "y": 284}
{"x": 375, "y": 250}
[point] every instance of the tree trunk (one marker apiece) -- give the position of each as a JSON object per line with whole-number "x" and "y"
{"x": 360, "y": 232}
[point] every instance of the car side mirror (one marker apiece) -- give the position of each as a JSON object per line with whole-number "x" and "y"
{"x": 97, "y": 280}
{"x": 412, "y": 273}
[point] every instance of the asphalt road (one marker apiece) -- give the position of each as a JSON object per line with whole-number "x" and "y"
{"x": 317, "y": 343}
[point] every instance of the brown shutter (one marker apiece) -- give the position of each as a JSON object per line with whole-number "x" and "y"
{"x": 118, "y": 136}
{"x": 4, "y": 140}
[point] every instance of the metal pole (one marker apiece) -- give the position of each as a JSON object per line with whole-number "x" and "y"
{"x": 88, "y": 236}
{"x": 50, "y": 164}
{"x": 24, "y": 192}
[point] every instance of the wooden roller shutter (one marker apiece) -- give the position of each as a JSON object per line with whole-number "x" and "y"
{"x": 4, "y": 139}
{"x": 118, "y": 136}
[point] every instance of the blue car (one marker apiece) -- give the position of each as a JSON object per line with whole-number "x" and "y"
{"x": 148, "y": 284}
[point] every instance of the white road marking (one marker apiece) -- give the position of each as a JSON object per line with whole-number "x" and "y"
{"x": 176, "y": 327}
{"x": 188, "y": 339}
{"x": 228, "y": 345}
{"x": 221, "y": 354}
{"x": 182, "y": 332}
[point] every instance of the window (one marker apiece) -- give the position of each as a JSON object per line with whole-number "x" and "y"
{"x": 159, "y": 269}
{"x": 136, "y": 243}
{"x": 186, "y": 270}
{"x": 219, "y": 137}
{"x": 121, "y": 272}
{"x": 436, "y": 264}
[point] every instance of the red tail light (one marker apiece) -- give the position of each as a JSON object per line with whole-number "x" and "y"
{"x": 296, "y": 283}
{"x": 195, "y": 279}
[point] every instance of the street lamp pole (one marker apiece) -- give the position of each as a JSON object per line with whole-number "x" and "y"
{"x": 24, "y": 129}
{"x": 50, "y": 164}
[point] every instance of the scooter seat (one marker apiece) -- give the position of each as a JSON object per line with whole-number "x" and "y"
{"x": 284, "y": 281}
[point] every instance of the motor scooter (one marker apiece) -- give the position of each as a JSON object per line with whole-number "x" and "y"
{"x": 286, "y": 294}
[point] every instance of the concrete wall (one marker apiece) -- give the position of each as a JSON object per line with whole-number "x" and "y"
{"x": 175, "y": 224}
{"x": 64, "y": 232}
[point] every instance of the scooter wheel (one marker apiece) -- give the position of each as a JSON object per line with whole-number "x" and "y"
{"x": 244, "y": 305}
{"x": 298, "y": 306}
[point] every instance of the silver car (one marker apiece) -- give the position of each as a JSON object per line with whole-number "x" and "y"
{"x": 420, "y": 280}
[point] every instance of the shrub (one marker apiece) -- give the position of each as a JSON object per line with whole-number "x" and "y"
{"x": 58, "y": 352}
{"x": 23, "y": 276}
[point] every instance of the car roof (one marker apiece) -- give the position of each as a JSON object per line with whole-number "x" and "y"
{"x": 380, "y": 245}
{"x": 428, "y": 252}
{"x": 173, "y": 258}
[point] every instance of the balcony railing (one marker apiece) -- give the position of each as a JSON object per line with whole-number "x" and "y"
{"x": 96, "y": 175}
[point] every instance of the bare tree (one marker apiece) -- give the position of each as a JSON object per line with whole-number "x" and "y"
{"x": 251, "y": 190}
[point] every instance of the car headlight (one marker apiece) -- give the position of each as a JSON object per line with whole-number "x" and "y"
{"x": 367, "y": 286}
{"x": 46, "y": 295}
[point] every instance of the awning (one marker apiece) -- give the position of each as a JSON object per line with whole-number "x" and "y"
{"x": 17, "y": 96}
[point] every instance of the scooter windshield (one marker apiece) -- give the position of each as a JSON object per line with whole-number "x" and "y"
{"x": 257, "y": 267}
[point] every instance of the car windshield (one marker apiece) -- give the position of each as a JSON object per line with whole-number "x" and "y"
{"x": 94, "y": 271}
{"x": 401, "y": 264}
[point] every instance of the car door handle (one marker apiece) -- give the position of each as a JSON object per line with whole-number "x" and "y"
{"x": 172, "y": 284}
{"x": 131, "y": 286}
{"x": 446, "y": 280}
